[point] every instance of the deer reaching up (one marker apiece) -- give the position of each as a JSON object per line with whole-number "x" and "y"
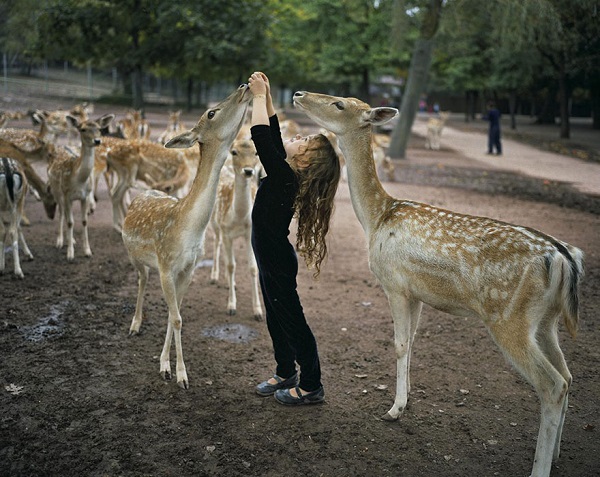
{"x": 71, "y": 179}
{"x": 232, "y": 218}
{"x": 13, "y": 188}
{"x": 167, "y": 233}
{"x": 517, "y": 280}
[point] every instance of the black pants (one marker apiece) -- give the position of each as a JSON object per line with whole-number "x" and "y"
{"x": 494, "y": 140}
{"x": 293, "y": 340}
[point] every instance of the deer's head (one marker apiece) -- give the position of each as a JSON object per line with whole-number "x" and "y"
{"x": 244, "y": 158}
{"x": 219, "y": 124}
{"x": 341, "y": 115}
{"x": 90, "y": 131}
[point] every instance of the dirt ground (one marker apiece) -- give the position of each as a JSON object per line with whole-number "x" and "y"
{"x": 79, "y": 397}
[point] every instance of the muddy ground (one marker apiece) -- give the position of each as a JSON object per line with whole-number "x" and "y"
{"x": 79, "y": 397}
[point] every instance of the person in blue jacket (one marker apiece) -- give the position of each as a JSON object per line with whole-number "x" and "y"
{"x": 493, "y": 116}
{"x": 302, "y": 175}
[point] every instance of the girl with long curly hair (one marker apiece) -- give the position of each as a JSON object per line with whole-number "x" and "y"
{"x": 301, "y": 181}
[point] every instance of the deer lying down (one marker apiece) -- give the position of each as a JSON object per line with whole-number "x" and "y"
{"x": 13, "y": 188}
{"x": 517, "y": 280}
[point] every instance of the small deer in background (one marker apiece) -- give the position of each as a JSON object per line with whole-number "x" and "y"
{"x": 174, "y": 127}
{"x": 232, "y": 218}
{"x": 434, "y": 130}
{"x": 136, "y": 160}
{"x": 166, "y": 233}
{"x": 517, "y": 280}
{"x": 134, "y": 126}
{"x": 71, "y": 179}
{"x": 13, "y": 188}
{"x": 6, "y": 116}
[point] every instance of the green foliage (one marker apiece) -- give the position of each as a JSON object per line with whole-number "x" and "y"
{"x": 508, "y": 45}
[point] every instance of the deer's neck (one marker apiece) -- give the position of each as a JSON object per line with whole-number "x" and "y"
{"x": 242, "y": 200}
{"x": 368, "y": 196}
{"x": 86, "y": 165}
{"x": 198, "y": 205}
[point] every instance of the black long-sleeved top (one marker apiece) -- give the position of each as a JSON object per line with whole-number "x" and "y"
{"x": 274, "y": 205}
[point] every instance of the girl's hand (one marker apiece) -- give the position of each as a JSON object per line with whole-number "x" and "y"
{"x": 257, "y": 83}
{"x": 266, "y": 80}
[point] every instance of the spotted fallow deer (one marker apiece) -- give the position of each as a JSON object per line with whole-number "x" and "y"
{"x": 13, "y": 188}
{"x": 166, "y": 233}
{"x": 434, "y": 130}
{"x": 71, "y": 179}
{"x": 174, "y": 127}
{"x": 136, "y": 160}
{"x": 56, "y": 122}
{"x": 43, "y": 150}
{"x": 6, "y": 116}
{"x": 517, "y": 280}
{"x": 232, "y": 218}
{"x": 134, "y": 126}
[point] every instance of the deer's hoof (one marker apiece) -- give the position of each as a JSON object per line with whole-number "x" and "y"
{"x": 388, "y": 417}
{"x": 184, "y": 384}
{"x": 166, "y": 375}
{"x": 231, "y": 311}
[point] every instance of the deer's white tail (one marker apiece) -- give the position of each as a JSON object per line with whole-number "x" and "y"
{"x": 565, "y": 268}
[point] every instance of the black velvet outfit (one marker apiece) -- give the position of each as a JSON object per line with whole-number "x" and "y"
{"x": 293, "y": 340}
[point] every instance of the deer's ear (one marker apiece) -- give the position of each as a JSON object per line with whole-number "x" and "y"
{"x": 183, "y": 141}
{"x": 378, "y": 116}
{"x": 105, "y": 120}
{"x": 73, "y": 121}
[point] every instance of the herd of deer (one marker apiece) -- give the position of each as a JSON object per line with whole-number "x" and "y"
{"x": 517, "y": 280}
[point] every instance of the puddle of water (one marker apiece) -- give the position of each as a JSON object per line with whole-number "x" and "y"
{"x": 232, "y": 333}
{"x": 50, "y": 326}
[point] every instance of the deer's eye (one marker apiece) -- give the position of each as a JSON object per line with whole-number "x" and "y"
{"x": 211, "y": 114}
{"x": 233, "y": 152}
{"x": 339, "y": 105}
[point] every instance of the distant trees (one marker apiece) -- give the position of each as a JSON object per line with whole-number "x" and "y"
{"x": 540, "y": 49}
{"x": 547, "y": 50}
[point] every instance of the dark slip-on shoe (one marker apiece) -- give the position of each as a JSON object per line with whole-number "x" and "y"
{"x": 267, "y": 389}
{"x": 283, "y": 396}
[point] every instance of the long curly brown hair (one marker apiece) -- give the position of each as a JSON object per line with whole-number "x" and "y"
{"x": 313, "y": 207}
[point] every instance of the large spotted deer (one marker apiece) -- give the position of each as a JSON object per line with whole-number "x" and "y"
{"x": 517, "y": 280}
{"x": 13, "y": 188}
{"x": 232, "y": 218}
{"x": 71, "y": 179}
{"x": 166, "y": 233}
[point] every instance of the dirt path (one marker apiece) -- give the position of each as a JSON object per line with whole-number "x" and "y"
{"x": 79, "y": 397}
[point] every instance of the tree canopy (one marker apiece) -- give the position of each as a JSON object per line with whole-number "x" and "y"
{"x": 534, "y": 49}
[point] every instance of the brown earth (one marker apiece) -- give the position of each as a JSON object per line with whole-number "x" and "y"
{"x": 79, "y": 397}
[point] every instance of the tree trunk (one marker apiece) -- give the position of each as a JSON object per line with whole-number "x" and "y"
{"x": 415, "y": 86}
{"x": 364, "y": 87}
{"x": 563, "y": 95}
{"x": 595, "y": 98}
{"x": 137, "y": 88}
{"x": 417, "y": 77}
{"x": 512, "y": 106}
{"x": 190, "y": 94}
